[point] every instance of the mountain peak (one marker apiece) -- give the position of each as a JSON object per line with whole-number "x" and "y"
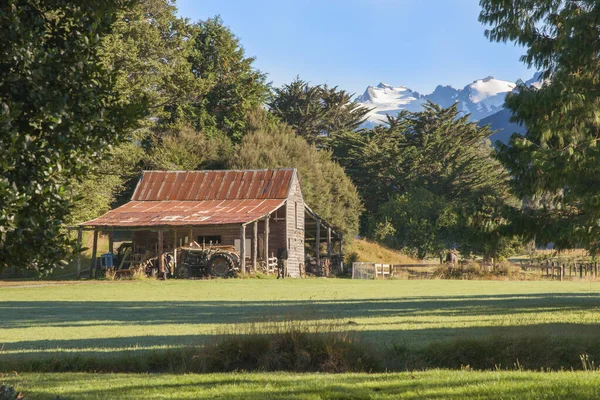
{"x": 479, "y": 99}
{"x": 383, "y": 85}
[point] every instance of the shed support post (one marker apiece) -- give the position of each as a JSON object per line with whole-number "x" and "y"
{"x": 318, "y": 245}
{"x": 111, "y": 243}
{"x": 342, "y": 253}
{"x": 161, "y": 261}
{"x": 254, "y": 245}
{"x": 174, "y": 251}
{"x": 329, "y": 243}
{"x": 190, "y": 240}
{"x": 79, "y": 237}
{"x": 94, "y": 250}
{"x": 266, "y": 240}
{"x": 243, "y": 249}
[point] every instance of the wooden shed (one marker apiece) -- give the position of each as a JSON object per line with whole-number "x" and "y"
{"x": 257, "y": 211}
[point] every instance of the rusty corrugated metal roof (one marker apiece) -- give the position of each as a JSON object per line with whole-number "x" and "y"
{"x": 213, "y": 185}
{"x": 168, "y": 198}
{"x": 181, "y": 213}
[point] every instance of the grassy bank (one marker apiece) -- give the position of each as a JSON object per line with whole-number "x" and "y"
{"x": 368, "y": 251}
{"x": 435, "y": 384}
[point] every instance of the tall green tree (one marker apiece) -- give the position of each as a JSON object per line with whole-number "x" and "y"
{"x": 430, "y": 182}
{"x": 555, "y": 163}
{"x": 147, "y": 50}
{"x": 317, "y": 113}
{"x": 326, "y": 188}
{"x": 59, "y": 113}
{"x": 235, "y": 86}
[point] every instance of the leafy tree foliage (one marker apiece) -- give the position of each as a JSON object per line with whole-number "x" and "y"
{"x": 147, "y": 50}
{"x": 317, "y": 113}
{"x": 106, "y": 183}
{"x": 234, "y": 85}
{"x": 186, "y": 149}
{"x": 555, "y": 163}
{"x": 325, "y": 186}
{"x": 430, "y": 182}
{"x": 58, "y": 114}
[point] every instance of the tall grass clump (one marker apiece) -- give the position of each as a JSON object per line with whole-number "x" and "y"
{"x": 473, "y": 270}
{"x": 289, "y": 346}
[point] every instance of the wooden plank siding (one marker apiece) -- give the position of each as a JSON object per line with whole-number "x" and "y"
{"x": 295, "y": 228}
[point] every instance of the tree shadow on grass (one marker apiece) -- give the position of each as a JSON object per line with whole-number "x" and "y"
{"x": 418, "y": 315}
{"x": 375, "y": 340}
{"x": 25, "y": 314}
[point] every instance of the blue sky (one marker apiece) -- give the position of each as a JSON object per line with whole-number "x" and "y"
{"x": 356, "y": 43}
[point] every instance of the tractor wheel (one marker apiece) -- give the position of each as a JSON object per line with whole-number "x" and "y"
{"x": 220, "y": 265}
{"x": 183, "y": 272}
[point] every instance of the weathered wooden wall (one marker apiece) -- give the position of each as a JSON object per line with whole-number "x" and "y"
{"x": 295, "y": 228}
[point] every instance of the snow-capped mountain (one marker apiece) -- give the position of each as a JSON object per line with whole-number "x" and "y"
{"x": 386, "y": 99}
{"x": 484, "y": 97}
{"x": 480, "y": 99}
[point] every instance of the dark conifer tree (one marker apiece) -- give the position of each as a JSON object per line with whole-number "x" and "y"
{"x": 555, "y": 163}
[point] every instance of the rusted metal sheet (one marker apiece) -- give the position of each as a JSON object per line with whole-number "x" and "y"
{"x": 180, "y": 213}
{"x": 201, "y": 198}
{"x": 213, "y": 185}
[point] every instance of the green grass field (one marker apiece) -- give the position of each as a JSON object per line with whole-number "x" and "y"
{"x": 111, "y": 316}
{"x": 45, "y": 322}
{"x": 434, "y": 384}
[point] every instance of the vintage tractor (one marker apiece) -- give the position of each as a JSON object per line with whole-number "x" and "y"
{"x": 203, "y": 261}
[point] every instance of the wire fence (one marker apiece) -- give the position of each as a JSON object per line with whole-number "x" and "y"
{"x": 371, "y": 271}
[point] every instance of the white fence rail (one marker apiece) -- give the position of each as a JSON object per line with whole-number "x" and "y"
{"x": 365, "y": 270}
{"x": 371, "y": 270}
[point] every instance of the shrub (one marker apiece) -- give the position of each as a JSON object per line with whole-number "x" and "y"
{"x": 293, "y": 346}
{"x": 352, "y": 258}
{"x": 474, "y": 270}
{"x": 507, "y": 269}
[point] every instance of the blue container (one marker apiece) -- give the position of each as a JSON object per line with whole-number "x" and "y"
{"x": 107, "y": 260}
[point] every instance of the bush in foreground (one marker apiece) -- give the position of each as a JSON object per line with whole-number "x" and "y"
{"x": 295, "y": 346}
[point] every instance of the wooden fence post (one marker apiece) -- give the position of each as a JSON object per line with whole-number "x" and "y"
{"x": 562, "y": 271}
